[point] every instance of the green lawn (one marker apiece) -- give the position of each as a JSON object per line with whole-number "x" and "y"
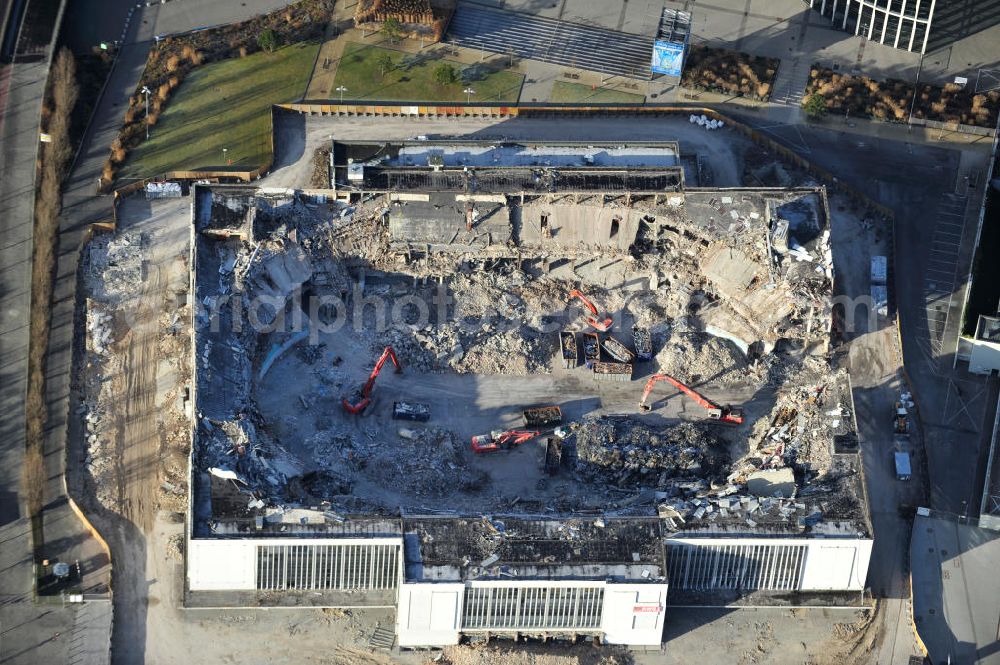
{"x": 411, "y": 79}
{"x": 225, "y": 104}
{"x": 564, "y": 91}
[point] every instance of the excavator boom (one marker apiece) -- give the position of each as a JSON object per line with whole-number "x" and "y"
{"x": 486, "y": 443}
{"x": 724, "y": 414}
{"x": 594, "y": 319}
{"x": 363, "y": 397}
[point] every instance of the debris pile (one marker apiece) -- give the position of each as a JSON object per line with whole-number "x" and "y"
{"x": 801, "y": 430}
{"x": 641, "y": 454}
{"x": 715, "y": 291}
{"x": 98, "y": 328}
{"x": 114, "y": 266}
{"x": 693, "y": 357}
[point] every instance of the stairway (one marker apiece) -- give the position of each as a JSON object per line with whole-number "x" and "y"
{"x": 790, "y": 83}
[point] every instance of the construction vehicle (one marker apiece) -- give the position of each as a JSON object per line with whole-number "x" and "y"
{"x": 643, "y": 343}
{"x": 363, "y": 397}
{"x": 553, "y": 455}
{"x": 617, "y": 350}
{"x": 497, "y": 440}
{"x": 541, "y": 417}
{"x": 602, "y": 324}
{"x": 567, "y": 343}
{"x": 612, "y": 371}
{"x": 591, "y": 349}
{"x": 726, "y": 414}
{"x": 900, "y": 419}
{"x": 415, "y": 411}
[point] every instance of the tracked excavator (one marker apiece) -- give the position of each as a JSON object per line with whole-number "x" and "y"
{"x": 725, "y": 414}
{"x": 497, "y": 440}
{"x": 602, "y": 324}
{"x": 363, "y": 397}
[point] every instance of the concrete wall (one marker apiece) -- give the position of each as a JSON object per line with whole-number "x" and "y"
{"x": 231, "y": 565}
{"x": 984, "y": 357}
{"x": 431, "y": 614}
{"x": 578, "y": 226}
{"x": 633, "y": 613}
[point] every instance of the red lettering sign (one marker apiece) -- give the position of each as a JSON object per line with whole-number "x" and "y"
{"x": 645, "y": 608}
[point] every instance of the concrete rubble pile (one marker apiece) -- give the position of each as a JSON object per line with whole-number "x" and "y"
{"x": 637, "y": 453}
{"x": 99, "y": 321}
{"x": 800, "y": 430}
{"x": 692, "y": 357}
{"x": 422, "y": 462}
{"x": 113, "y": 266}
{"x": 112, "y": 277}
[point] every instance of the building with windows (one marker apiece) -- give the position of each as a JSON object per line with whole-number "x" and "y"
{"x": 903, "y": 24}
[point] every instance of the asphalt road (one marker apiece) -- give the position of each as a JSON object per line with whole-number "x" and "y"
{"x": 31, "y": 633}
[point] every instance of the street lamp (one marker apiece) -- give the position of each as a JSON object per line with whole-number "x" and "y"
{"x": 146, "y": 91}
{"x": 341, "y": 89}
{"x": 224, "y": 160}
{"x": 469, "y": 93}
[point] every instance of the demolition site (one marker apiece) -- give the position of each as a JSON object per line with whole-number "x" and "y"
{"x": 516, "y": 389}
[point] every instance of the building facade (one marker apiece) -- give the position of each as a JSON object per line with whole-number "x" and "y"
{"x": 903, "y": 24}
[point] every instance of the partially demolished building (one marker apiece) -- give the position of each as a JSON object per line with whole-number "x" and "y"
{"x": 296, "y": 502}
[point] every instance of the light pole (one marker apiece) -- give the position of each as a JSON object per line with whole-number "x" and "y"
{"x": 341, "y": 89}
{"x": 224, "y": 160}
{"x": 469, "y": 93}
{"x": 146, "y": 91}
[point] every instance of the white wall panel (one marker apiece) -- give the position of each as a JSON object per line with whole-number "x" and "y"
{"x": 429, "y": 614}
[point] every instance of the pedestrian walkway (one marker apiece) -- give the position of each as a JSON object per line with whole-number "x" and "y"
{"x": 790, "y": 82}
{"x": 90, "y": 641}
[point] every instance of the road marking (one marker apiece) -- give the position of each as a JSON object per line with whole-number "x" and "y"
{"x": 940, "y": 278}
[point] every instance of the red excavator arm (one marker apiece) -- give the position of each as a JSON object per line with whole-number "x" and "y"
{"x": 363, "y": 397}
{"x": 600, "y": 324}
{"x": 487, "y": 443}
{"x": 724, "y": 414}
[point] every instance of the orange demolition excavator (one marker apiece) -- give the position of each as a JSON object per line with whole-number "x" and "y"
{"x": 497, "y": 440}
{"x": 363, "y": 397}
{"x": 726, "y": 414}
{"x": 594, "y": 319}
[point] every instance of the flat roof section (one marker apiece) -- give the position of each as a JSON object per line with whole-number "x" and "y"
{"x": 524, "y": 547}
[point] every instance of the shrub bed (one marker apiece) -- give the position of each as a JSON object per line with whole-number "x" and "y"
{"x": 416, "y": 18}
{"x": 729, "y": 72}
{"x": 173, "y": 58}
{"x": 891, "y": 99}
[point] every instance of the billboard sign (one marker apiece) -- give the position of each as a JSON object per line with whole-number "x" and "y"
{"x": 668, "y": 58}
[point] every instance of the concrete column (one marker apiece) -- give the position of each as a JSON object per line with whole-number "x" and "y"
{"x": 885, "y": 26}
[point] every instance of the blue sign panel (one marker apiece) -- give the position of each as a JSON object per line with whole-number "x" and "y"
{"x": 668, "y": 58}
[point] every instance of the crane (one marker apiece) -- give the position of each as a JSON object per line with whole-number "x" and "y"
{"x": 495, "y": 440}
{"x": 725, "y": 414}
{"x": 594, "y": 319}
{"x": 362, "y": 398}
